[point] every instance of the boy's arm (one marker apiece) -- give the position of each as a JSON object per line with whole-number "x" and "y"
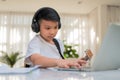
{"x": 52, "y": 62}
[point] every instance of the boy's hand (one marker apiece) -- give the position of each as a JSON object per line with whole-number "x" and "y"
{"x": 68, "y": 63}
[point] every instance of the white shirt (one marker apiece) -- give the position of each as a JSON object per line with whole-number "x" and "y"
{"x": 40, "y": 46}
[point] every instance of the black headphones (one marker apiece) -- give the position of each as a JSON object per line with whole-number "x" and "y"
{"x": 41, "y": 14}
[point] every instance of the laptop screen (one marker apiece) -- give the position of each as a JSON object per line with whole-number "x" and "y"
{"x": 108, "y": 56}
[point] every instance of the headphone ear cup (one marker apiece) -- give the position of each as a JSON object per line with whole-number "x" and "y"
{"x": 35, "y": 27}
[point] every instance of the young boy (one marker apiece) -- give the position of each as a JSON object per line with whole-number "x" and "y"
{"x": 41, "y": 49}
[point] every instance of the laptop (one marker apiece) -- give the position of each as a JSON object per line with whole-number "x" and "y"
{"x": 108, "y": 56}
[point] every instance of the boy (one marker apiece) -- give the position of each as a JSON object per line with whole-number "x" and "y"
{"x": 41, "y": 49}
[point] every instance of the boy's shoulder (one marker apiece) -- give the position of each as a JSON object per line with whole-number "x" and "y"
{"x": 35, "y": 38}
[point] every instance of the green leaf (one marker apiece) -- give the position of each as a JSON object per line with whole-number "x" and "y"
{"x": 70, "y": 52}
{"x": 10, "y": 59}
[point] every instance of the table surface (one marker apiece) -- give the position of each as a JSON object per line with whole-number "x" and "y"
{"x": 49, "y": 74}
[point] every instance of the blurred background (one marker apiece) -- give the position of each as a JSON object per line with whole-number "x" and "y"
{"x": 84, "y": 22}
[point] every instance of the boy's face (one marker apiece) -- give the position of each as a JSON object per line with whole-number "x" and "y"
{"x": 48, "y": 29}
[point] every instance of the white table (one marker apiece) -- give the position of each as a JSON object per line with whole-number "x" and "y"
{"x": 47, "y": 74}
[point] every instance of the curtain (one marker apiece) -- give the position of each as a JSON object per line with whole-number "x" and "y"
{"x": 15, "y": 32}
{"x": 113, "y": 14}
{"x": 75, "y": 32}
{"x": 94, "y": 31}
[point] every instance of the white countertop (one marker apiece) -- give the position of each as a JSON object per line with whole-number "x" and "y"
{"x": 47, "y": 74}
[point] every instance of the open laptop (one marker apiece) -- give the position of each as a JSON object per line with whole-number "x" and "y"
{"x": 108, "y": 56}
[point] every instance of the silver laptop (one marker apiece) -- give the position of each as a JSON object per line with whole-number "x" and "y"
{"x": 108, "y": 56}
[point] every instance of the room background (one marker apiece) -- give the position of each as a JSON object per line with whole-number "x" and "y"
{"x": 86, "y": 31}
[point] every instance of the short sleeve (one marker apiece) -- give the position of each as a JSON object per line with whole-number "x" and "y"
{"x": 33, "y": 47}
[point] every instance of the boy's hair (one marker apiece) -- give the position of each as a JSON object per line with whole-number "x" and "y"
{"x": 45, "y": 13}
